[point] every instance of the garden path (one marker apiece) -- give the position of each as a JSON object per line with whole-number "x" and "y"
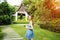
{"x": 10, "y": 34}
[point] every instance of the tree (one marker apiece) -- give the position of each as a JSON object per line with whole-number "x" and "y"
{"x": 41, "y": 11}
{"x": 37, "y": 10}
{"x": 52, "y": 5}
{"x": 5, "y": 13}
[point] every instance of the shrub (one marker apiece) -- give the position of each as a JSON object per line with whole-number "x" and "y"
{"x": 1, "y": 34}
{"x": 6, "y": 11}
{"x": 5, "y": 19}
{"x": 53, "y": 25}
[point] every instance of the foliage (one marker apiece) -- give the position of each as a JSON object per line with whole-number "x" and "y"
{"x": 5, "y": 19}
{"x": 6, "y": 11}
{"x": 54, "y": 25}
{"x": 39, "y": 34}
{"x": 51, "y": 5}
{"x": 42, "y": 15}
{"x": 23, "y": 21}
{"x": 1, "y": 34}
{"x": 12, "y": 9}
{"x": 37, "y": 10}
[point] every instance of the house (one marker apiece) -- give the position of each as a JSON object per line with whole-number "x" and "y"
{"x": 21, "y": 10}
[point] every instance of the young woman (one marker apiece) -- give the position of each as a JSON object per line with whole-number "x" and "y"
{"x": 29, "y": 31}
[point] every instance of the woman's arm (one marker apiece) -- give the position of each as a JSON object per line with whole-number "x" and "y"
{"x": 31, "y": 24}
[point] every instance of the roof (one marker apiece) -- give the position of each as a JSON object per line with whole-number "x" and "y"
{"x": 21, "y": 8}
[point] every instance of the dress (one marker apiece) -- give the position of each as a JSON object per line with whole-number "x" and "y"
{"x": 29, "y": 32}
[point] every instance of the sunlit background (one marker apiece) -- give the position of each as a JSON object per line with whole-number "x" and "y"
{"x": 13, "y": 2}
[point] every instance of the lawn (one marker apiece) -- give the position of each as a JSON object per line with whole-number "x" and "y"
{"x": 23, "y": 21}
{"x": 19, "y": 21}
{"x": 39, "y": 34}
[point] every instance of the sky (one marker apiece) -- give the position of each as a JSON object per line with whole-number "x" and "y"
{"x": 14, "y": 2}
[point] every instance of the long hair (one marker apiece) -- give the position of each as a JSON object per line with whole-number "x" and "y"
{"x": 31, "y": 19}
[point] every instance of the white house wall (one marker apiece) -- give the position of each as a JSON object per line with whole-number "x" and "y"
{"x": 16, "y": 15}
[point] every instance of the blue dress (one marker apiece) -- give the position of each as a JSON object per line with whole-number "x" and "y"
{"x": 29, "y": 32}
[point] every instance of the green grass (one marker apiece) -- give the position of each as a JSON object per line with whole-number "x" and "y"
{"x": 23, "y": 21}
{"x": 39, "y": 34}
{"x": 19, "y": 21}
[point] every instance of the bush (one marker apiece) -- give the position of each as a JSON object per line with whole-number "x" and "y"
{"x": 53, "y": 25}
{"x": 5, "y": 19}
{"x": 6, "y": 11}
{"x": 13, "y": 18}
{"x": 1, "y": 34}
{"x": 4, "y": 8}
